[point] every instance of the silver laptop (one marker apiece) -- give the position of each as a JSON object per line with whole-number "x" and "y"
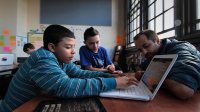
{"x": 150, "y": 82}
{"x": 6, "y": 59}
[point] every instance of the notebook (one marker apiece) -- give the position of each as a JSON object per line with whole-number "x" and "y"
{"x": 6, "y": 59}
{"x": 88, "y": 104}
{"x": 150, "y": 82}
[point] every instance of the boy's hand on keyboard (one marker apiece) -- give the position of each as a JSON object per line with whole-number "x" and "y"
{"x": 131, "y": 75}
{"x": 117, "y": 74}
{"x": 132, "y": 80}
{"x": 131, "y": 86}
{"x": 124, "y": 82}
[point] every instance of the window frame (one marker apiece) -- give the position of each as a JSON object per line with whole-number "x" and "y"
{"x": 143, "y": 20}
{"x": 184, "y": 12}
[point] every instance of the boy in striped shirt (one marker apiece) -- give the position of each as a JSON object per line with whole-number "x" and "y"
{"x": 50, "y": 70}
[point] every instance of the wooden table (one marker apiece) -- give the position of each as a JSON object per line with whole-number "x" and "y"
{"x": 163, "y": 102}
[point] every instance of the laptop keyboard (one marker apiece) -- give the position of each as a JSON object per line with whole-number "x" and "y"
{"x": 133, "y": 91}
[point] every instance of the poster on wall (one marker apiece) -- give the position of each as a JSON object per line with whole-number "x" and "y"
{"x": 20, "y": 41}
{"x": 36, "y": 39}
{"x": 7, "y": 41}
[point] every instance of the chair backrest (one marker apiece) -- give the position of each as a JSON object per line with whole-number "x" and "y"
{"x": 4, "y": 83}
{"x": 21, "y": 60}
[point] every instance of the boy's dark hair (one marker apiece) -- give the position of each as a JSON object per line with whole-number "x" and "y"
{"x": 150, "y": 34}
{"x": 28, "y": 45}
{"x": 55, "y": 33}
{"x": 90, "y": 32}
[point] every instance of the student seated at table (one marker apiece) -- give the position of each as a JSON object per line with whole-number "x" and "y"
{"x": 28, "y": 48}
{"x": 93, "y": 56}
{"x": 184, "y": 78}
{"x": 50, "y": 70}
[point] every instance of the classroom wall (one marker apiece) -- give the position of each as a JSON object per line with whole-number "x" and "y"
{"x": 27, "y": 17}
{"x": 8, "y": 15}
{"x": 13, "y": 19}
{"x": 22, "y": 15}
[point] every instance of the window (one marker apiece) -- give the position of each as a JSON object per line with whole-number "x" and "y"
{"x": 188, "y": 13}
{"x": 198, "y": 14}
{"x": 168, "y": 18}
{"x": 161, "y": 17}
{"x": 133, "y": 21}
{"x": 157, "y": 15}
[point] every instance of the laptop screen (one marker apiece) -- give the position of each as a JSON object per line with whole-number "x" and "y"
{"x": 155, "y": 72}
{"x": 6, "y": 59}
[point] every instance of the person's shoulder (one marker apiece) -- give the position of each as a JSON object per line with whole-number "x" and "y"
{"x": 42, "y": 53}
{"x": 177, "y": 45}
{"x": 70, "y": 65}
{"x": 172, "y": 43}
{"x": 83, "y": 47}
{"x": 102, "y": 48}
{"x": 169, "y": 40}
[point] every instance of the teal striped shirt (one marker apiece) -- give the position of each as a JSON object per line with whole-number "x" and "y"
{"x": 43, "y": 72}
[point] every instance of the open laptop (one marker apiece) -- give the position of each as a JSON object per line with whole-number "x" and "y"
{"x": 6, "y": 59}
{"x": 150, "y": 82}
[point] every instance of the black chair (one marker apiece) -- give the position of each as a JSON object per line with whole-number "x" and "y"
{"x": 21, "y": 60}
{"x": 4, "y": 83}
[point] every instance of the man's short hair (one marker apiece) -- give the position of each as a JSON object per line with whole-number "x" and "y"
{"x": 150, "y": 34}
{"x": 28, "y": 45}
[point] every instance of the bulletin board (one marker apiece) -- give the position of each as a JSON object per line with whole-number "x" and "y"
{"x": 7, "y": 41}
{"x": 76, "y": 12}
{"x": 36, "y": 39}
